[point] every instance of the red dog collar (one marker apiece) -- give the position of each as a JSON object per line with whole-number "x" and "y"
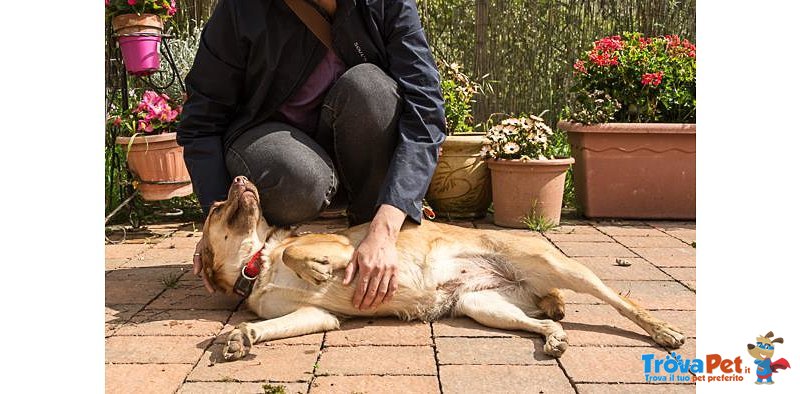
{"x": 244, "y": 284}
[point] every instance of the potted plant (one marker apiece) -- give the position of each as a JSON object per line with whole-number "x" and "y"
{"x": 460, "y": 187}
{"x": 631, "y": 127}
{"x": 138, "y": 25}
{"x": 527, "y": 181}
{"x": 153, "y": 155}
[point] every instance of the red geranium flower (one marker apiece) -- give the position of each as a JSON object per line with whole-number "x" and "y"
{"x": 652, "y": 79}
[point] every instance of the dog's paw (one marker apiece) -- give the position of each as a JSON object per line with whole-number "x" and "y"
{"x": 668, "y": 337}
{"x": 556, "y": 344}
{"x": 238, "y": 344}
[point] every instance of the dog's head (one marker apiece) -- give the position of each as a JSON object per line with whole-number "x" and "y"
{"x": 764, "y": 347}
{"x": 234, "y": 231}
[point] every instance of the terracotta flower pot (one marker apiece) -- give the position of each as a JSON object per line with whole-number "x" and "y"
{"x": 157, "y": 163}
{"x": 524, "y": 187}
{"x": 139, "y": 39}
{"x": 634, "y": 170}
{"x": 137, "y": 24}
{"x": 460, "y": 187}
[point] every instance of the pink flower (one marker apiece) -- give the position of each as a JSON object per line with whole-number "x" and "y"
{"x": 117, "y": 121}
{"x": 652, "y": 79}
{"x": 108, "y": 3}
{"x": 131, "y": 2}
{"x": 172, "y": 8}
{"x": 147, "y": 127}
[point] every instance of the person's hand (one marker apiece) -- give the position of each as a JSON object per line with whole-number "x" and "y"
{"x": 375, "y": 260}
{"x": 197, "y": 263}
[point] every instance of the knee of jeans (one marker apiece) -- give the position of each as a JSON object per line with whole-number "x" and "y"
{"x": 295, "y": 193}
{"x": 366, "y": 84}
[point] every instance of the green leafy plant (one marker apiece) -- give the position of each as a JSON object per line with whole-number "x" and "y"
{"x": 163, "y": 8}
{"x": 270, "y": 389}
{"x": 459, "y": 91}
{"x": 170, "y": 281}
{"x": 527, "y": 137}
{"x": 632, "y": 78}
{"x": 537, "y": 223}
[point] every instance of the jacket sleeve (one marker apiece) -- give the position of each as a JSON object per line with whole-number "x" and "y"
{"x": 213, "y": 86}
{"x": 421, "y": 125}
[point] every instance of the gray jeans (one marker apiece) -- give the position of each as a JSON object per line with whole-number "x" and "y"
{"x": 298, "y": 174}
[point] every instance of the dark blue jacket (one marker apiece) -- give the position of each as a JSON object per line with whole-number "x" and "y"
{"x": 254, "y": 54}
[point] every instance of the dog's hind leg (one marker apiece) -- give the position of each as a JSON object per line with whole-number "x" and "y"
{"x": 493, "y": 309}
{"x": 562, "y": 272}
{"x": 306, "y": 320}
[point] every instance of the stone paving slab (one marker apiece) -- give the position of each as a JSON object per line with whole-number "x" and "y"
{"x": 607, "y": 268}
{"x": 514, "y": 351}
{"x": 602, "y": 325}
{"x": 648, "y": 294}
{"x": 239, "y": 388}
{"x": 668, "y": 257}
{"x": 377, "y": 360}
{"x": 179, "y": 322}
{"x": 154, "y": 349}
{"x": 523, "y": 379}
{"x": 117, "y": 315}
{"x": 164, "y": 333}
{"x": 192, "y": 295}
{"x": 145, "y": 378}
{"x": 264, "y": 363}
{"x": 373, "y": 384}
{"x": 380, "y": 332}
{"x": 645, "y": 388}
{"x": 594, "y": 249}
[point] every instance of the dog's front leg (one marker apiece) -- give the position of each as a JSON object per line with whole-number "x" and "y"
{"x": 306, "y": 320}
{"x": 315, "y": 262}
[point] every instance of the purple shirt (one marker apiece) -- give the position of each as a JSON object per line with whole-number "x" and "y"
{"x": 302, "y": 108}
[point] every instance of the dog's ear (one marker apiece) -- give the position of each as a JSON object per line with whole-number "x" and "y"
{"x": 777, "y": 340}
{"x": 207, "y": 261}
{"x": 769, "y": 335}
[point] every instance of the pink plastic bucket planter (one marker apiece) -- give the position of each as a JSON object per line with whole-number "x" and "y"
{"x": 140, "y": 54}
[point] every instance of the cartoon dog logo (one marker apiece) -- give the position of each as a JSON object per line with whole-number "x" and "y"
{"x": 762, "y": 351}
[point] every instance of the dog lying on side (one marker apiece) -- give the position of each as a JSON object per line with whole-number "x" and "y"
{"x": 500, "y": 280}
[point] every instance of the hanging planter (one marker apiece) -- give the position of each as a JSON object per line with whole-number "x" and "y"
{"x": 139, "y": 38}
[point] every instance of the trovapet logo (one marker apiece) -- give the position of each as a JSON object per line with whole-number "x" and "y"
{"x": 675, "y": 368}
{"x": 714, "y": 367}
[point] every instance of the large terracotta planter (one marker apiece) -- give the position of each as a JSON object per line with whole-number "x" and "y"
{"x": 157, "y": 163}
{"x": 522, "y": 188}
{"x": 460, "y": 187}
{"x": 634, "y": 170}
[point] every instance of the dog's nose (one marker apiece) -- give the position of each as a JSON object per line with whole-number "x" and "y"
{"x": 240, "y": 180}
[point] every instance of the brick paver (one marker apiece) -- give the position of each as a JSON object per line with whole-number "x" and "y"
{"x": 264, "y": 363}
{"x": 515, "y": 351}
{"x": 373, "y": 384}
{"x": 379, "y": 332}
{"x": 377, "y": 360}
{"x": 145, "y": 378}
{"x": 503, "y": 379}
{"x": 164, "y": 333}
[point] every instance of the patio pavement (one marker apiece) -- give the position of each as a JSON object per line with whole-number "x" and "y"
{"x": 164, "y": 333}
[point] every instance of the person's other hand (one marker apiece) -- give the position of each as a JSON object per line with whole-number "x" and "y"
{"x": 197, "y": 265}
